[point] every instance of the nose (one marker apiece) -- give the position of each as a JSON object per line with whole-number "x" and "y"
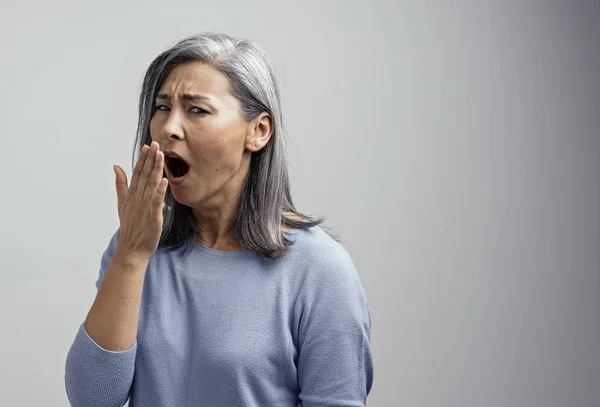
{"x": 172, "y": 127}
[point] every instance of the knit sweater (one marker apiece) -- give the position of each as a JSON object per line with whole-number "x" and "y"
{"x": 228, "y": 328}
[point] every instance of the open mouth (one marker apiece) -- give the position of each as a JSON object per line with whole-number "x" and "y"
{"x": 177, "y": 166}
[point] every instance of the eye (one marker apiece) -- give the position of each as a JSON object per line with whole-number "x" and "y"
{"x": 199, "y": 108}
{"x": 164, "y": 108}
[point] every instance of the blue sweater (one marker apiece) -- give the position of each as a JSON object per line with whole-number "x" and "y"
{"x": 227, "y": 329}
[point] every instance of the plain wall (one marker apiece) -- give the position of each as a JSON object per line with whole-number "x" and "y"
{"x": 454, "y": 145}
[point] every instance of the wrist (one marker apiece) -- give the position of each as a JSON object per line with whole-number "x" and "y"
{"x": 130, "y": 259}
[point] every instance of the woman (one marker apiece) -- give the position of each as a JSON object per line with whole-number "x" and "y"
{"x": 214, "y": 290}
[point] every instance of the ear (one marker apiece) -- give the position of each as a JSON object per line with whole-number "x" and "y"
{"x": 259, "y": 132}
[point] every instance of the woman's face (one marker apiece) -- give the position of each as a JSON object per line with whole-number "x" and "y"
{"x": 208, "y": 131}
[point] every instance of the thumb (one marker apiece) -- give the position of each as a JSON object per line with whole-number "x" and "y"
{"x": 121, "y": 184}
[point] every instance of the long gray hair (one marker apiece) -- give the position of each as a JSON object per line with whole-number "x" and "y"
{"x": 266, "y": 189}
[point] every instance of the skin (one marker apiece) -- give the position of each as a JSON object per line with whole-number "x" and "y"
{"x": 215, "y": 139}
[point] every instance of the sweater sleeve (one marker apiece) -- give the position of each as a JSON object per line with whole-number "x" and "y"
{"x": 335, "y": 365}
{"x": 95, "y": 376}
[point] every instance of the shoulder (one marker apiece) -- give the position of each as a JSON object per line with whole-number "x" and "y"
{"x": 315, "y": 245}
{"x": 328, "y": 288}
{"x": 318, "y": 258}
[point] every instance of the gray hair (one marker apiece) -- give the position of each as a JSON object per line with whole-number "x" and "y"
{"x": 266, "y": 189}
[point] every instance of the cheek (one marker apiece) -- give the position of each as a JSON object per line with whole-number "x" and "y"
{"x": 153, "y": 128}
{"x": 218, "y": 157}
{"x": 222, "y": 144}
{"x": 209, "y": 154}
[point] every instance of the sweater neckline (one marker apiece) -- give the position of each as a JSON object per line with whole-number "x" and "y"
{"x": 234, "y": 253}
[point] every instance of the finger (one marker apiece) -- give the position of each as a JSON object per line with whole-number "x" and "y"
{"x": 138, "y": 169}
{"x": 155, "y": 177}
{"x": 159, "y": 197}
{"x": 121, "y": 184}
{"x": 147, "y": 170}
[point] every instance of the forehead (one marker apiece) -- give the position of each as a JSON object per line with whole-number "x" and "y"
{"x": 195, "y": 77}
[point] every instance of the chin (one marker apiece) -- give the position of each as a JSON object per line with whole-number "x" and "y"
{"x": 195, "y": 201}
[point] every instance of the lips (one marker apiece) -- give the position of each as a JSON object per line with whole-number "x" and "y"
{"x": 175, "y": 165}
{"x": 170, "y": 153}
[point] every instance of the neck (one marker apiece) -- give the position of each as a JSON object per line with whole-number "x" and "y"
{"x": 216, "y": 224}
{"x": 216, "y": 233}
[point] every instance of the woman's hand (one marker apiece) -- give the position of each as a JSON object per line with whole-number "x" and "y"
{"x": 140, "y": 205}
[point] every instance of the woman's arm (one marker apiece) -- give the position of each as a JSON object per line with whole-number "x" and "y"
{"x": 335, "y": 365}
{"x": 112, "y": 321}
{"x": 100, "y": 364}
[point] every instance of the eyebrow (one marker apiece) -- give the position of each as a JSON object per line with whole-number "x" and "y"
{"x": 185, "y": 96}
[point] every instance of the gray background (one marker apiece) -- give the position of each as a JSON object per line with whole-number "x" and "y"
{"x": 454, "y": 145}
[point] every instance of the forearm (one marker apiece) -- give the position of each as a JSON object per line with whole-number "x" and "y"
{"x": 112, "y": 321}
